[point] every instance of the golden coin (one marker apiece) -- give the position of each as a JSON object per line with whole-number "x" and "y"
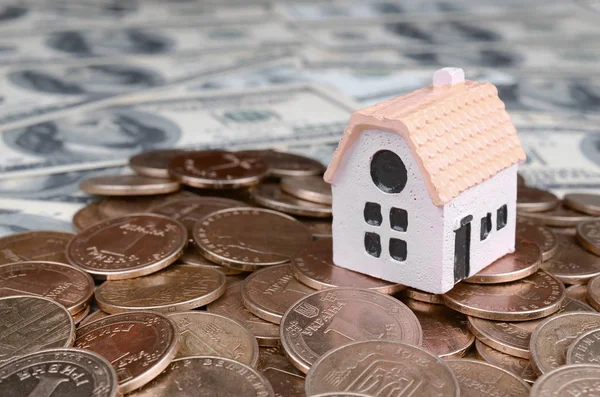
{"x": 553, "y": 336}
{"x": 282, "y": 164}
{"x": 477, "y": 378}
{"x": 249, "y": 238}
{"x": 202, "y": 334}
{"x": 568, "y": 381}
{"x": 34, "y": 246}
{"x": 154, "y": 163}
{"x": 588, "y": 235}
{"x": 271, "y": 196}
{"x": 585, "y": 349}
{"x": 175, "y": 289}
{"x": 572, "y": 264}
{"x": 539, "y": 234}
{"x": 513, "y": 337}
{"x": 593, "y": 293}
{"x": 127, "y": 247}
{"x": 286, "y": 380}
{"x": 578, "y": 292}
{"x": 88, "y": 216}
{"x": 269, "y": 292}
{"x": 536, "y": 296}
{"x": 378, "y": 367}
{"x": 139, "y": 345}
{"x": 97, "y": 315}
{"x": 517, "y": 365}
{"x": 582, "y": 202}
{"x": 32, "y": 323}
{"x": 314, "y": 267}
{"x": 530, "y": 199}
{"x": 128, "y": 185}
{"x": 192, "y": 257}
{"x": 207, "y": 376}
{"x": 331, "y": 318}
{"x": 81, "y": 315}
{"x": 445, "y": 332}
{"x": 310, "y": 188}
{"x": 525, "y": 261}
{"x": 422, "y": 296}
{"x": 560, "y": 217}
{"x": 230, "y": 305}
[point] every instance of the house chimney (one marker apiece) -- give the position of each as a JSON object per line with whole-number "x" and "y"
{"x": 450, "y": 76}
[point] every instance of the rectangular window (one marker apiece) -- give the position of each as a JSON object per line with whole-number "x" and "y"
{"x": 398, "y": 249}
{"x": 398, "y": 219}
{"x": 486, "y": 226}
{"x": 373, "y": 244}
{"x": 372, "y": 214}
{"x": 501, "y": 217}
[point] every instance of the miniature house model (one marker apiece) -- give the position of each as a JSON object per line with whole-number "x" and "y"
{"x": 424, "y": 185}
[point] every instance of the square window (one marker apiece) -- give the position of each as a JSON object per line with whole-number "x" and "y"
{"x": 398, "y": 249}
{"x": 501, "y": 217}
{"x": 486, "y": 226}
{"x": 398, "y": 219}
{"x": 373, "y": 244}
{"x": 372, "y": 214}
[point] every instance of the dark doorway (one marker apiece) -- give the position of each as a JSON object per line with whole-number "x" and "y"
{"x": 462, "y": 249}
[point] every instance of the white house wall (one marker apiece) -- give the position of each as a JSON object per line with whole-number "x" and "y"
{"x": 352, "y": 188}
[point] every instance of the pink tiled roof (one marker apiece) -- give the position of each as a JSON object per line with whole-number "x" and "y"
{"x": 460, "y": 135}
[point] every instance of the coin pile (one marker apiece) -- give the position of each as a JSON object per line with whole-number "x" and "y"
{"x": 211, "y": 272}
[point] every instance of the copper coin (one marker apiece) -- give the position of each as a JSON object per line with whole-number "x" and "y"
{"x": 568, "y": 381}
{"x": 269, "y": 292}
{"x": 282, "y": 164}
{"x": 154, "y": 163}
{"x": 114, "y": 207}
{"x": 230, "y": 305}
{"x": 88, "y": 216}
{"x": 34, "y": 246}
{"x": 552, "y": 337}
{"x": 588, "y": 235}
{"x": 97, "y": 315}
{"x": 126, "y": 247}
{"x": 249, "y": 238}
{"x": 138, "y": 345}
{"x": 579, "y": 292}
{"x": 314, "y": 267}
{"x": 311, "y": 188}
{"x": 593, "y": 293}
{"x": 539, "y": 234}
{"x": 59, "y": 373}
{"x": 207, "y": 376}
{"x": 530, "y": 199}
{"x": 518, "y": 366}
{"x": 286, "y": 380}
{"x": 271, "y": 196}
{"x": 320, "y": 228}
{"x": 175, "y": 289}
{"x": 378, "y": 367}
{"x": 422, "y": 296}
{"x": 218, "y": 169}
{"x": 560, "y": 216}
{"x": 586, "y": 203}
{"x": 128, "y": 185}
{"x": 202, "y": 334}
{"x": 585, "y": 349}
{"x": 476, "y": 376}
{"x": 513, "y": 337}
{"x": 32, "y": 323}
{"x": 65, "y": 284}
{"x": 525, "y": 261}
{"x": 331, "y": 318}
{"x": 81, "y": 315}
{"x": 192, "y": 257}
{"x": 572, "y": 264}
{"x": 445, "y": 331}
{"x": 520, "y": 180}
{"x": 536, "y": 296}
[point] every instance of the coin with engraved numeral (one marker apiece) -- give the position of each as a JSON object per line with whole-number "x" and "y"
{"x": 593, "y": 293}
{"x": 283, "y": 164}
{"x": 376, "y": 367}
{"x": 586, "y": 203}
{"x": 568, "y": 381}
{"x": 174, "y": 289}
{"x": 60, "y": 373}
{"x": 32, "y": 323}
{"x": 422, "y": 296}
{"x": 286, "y": 380}
{"x": 127, "y": 247}
{"x": 230, "y": 305}
{"x": 65, "y": 284}
{"x": 249, "y": 238}
{"x": 128, "y": 185}
{"x": 207, "y": 376}
{"x": 551, "y": 339}
{"x": 536, "y": 296}
{"x": 34, "y": 246}
{"x": 271, "y": 196}
{"x": 572, "y": 264}
{"x": 588, "y": 235}
{"x": 331, "y": 318}
{"x": 525, "y": 261}
{"x": 311, "y": 188}
{"x": 202, "y": 334}
{"x": 517, "y": 365}
{"x": 154, "y": 163}
{"x": 314, "y": 267}
{"x": 585, "y": 349}
{"x": 138, "y": 345}
{"x": 269, "y": 292}
{"x": 530, "y": 199}
{"x": 477, "y": 378}
{"x": 539, "y": 234}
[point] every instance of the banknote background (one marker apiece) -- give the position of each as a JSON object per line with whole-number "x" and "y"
{"x": 85, "y": 85}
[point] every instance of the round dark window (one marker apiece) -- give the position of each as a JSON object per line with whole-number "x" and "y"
{"x": 388, "y": 171}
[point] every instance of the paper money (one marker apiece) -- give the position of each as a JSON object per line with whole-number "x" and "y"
{"x": 23, "y": 215}
{"x": 282, "y": 115}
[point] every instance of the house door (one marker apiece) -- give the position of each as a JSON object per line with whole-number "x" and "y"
{"x": 462, "y": 249}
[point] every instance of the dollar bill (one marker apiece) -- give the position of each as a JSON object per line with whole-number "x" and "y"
{"x": 282, "y": 115}
{"x": 18, "y": 216}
